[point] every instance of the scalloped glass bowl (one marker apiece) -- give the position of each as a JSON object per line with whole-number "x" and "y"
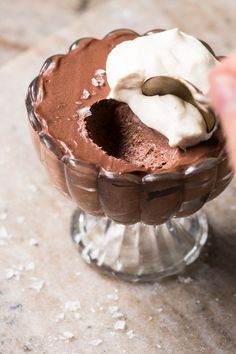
{"x": 140, "y": 228}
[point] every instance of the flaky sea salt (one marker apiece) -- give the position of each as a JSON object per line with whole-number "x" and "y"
{"x": 100, "y": 72}
{"x": 96, "y": 342}
{"x": 117, "y": 315}
{"x": 120, "y": 325}
{"x": 84, "y": 112}
{"x": 60, "y": 317}
{"x": 29, "y": 266}
{"x": 100, "y": 80}
{"x": 113, "y": 309}
{"x": 52, "y": 338}
{"x": 4, "y": 236}
{"x": 97, "y": 81}
{"x": 113, "y": 297}
{"x": 3, "y": 233}
{"x": 36, "y": 284}
{"x": 12, "y": 273}
{"x": 130, "y": 334}
{"x": 33, "y": 242}
{"x": 94, "y": 82}
{"x": 85, "y": 95}
{"x": 71, "y": 306}
{"x": 183, "y": 280}
{"x": 9, "y": 274}
{"x": 67, "y": 335}
{"x": 77, "y": 238}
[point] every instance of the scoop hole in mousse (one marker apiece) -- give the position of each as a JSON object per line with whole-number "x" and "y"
{"x": 120, "y": 133}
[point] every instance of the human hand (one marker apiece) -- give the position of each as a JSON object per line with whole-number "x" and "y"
{"x": 223, "y": 98}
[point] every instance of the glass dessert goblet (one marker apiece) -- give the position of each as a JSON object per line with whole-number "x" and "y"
{"x": 136, "y": 226}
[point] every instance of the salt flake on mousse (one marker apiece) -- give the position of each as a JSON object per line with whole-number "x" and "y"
{"x": 85, "y": 95}
{"x": 98, "y": 79}
{"x": 84, "y": 112}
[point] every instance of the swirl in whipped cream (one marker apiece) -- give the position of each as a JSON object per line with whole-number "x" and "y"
{"x": 171, "y": 53}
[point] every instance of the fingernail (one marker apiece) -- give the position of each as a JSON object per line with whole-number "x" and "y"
{"x": 223, "y": 92}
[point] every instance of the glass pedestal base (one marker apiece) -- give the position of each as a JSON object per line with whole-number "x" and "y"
{"x": 139, "y": 252}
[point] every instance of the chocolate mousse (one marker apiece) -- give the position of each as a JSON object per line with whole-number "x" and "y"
{"x": 74, "y": 109}
{"x": 86, "y": 135}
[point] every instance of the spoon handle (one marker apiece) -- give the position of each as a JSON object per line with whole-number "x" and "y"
{"x": 202, "y": 99}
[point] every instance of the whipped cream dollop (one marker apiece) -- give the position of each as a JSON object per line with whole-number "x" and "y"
{"x": 170, "y": 53}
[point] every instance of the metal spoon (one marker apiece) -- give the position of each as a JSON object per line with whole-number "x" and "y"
{"x": 164, "y": 85}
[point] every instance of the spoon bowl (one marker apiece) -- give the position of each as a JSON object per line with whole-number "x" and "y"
{"x": 171, "y": 85}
